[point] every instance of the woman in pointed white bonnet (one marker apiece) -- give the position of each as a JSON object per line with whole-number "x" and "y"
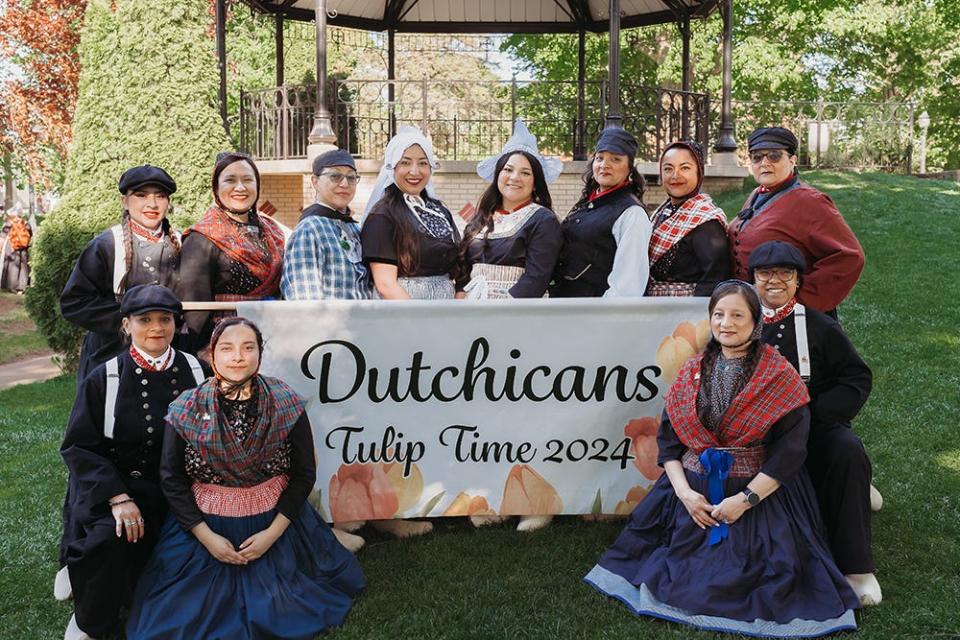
{"x": 511, "y": 244}
{"x": 407, "y": 235}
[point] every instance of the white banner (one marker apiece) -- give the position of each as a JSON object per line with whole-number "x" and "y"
{"x": 451, "y": 408}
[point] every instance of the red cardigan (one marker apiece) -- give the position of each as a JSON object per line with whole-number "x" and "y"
{"x": 807, "y": 219}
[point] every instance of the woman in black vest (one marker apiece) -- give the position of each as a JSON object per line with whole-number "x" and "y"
{"x": 114, "y": 505}
{"x": 142, "y": 249}
{"x": 607, "y": 233}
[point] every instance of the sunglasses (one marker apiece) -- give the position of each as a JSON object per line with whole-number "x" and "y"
{"x": 336, "y": 178}
{"x": 774, "y": 155}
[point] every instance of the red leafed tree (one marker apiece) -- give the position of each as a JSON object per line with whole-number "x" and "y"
{"x": 38, "y": 96}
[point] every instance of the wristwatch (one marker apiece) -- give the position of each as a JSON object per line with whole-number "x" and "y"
{"x": 751, "y": 498}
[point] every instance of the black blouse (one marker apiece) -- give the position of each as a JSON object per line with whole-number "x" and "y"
{"x": 535, "y": 247}
{"x": 701, "y": 257}
{"x": 176, "y": 477}
{"x": 438, "y": 256}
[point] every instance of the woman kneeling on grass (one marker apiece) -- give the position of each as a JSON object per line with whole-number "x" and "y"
{"x": 730, "y": 538}
{"x": 244, "y": 555}
{"x": 114, "y": 506}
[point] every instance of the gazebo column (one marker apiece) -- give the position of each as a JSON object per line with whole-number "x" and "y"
{"x": 391, "y": 76}
{"x": 614, "y": 118}
{"x": 579, "y": 142}
{"x": 221, "y": 20}
{"x": 686, "y": 80}
{"x": 278, "y": 46}
{"x": 726, "y": 141}
{"x": 321, "y": 137}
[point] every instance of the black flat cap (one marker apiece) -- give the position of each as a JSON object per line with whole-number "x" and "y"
{"x": 617, "y": 140}
{"x": 147, "y": 174}
{"x": 149, "y": 297}
{"x": 772, "y": 138}
{"x": 776, "y": 253}
{"x": 333, "y": 158}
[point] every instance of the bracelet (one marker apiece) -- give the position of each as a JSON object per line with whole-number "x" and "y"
{"x": 118, "y": 502}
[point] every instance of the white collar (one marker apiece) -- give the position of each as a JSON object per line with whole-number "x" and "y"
{"x": 165, "y": 358}
{"x": 769, "y": 313}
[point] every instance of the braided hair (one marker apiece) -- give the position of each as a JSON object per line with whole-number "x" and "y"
{"x": 128, "y": 244}
{"x": 713, "y": 348}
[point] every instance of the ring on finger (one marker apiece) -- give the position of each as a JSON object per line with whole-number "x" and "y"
{"x": 139, "y": 520}
{"x": 129, "y": 522}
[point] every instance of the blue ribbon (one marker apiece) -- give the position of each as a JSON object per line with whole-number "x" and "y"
{"x": 717, "y": 465}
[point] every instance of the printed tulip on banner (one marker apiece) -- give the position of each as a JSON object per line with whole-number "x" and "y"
{"x": 408, "y": 489}
{"x": 626, "y": 506}
{"x": 362, "y": 492}
{"x": 526, "y": 492}
{"x": 643, "y": 445}
{"x": 685, "y": 341}
{"x": 465, "y": 505}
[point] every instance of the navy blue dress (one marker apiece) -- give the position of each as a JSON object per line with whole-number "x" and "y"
{"x": 302, "y": 586}
{"x": 773, "y": 575}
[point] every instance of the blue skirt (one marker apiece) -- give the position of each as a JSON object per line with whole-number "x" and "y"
{"x": 303, "y": 585}
{"x": 773, "y": 576}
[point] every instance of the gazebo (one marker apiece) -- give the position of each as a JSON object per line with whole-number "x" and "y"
{"x": 304, "y": 120}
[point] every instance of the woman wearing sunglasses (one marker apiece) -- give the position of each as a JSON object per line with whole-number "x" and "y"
{"x": 784, "y": 208}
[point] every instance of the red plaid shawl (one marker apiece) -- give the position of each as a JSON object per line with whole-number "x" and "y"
{"x": 774, "y": 390}
{"x": 266, "y": 266}
{"x": 691, "y": 214}
{"x": 196, "y": 418}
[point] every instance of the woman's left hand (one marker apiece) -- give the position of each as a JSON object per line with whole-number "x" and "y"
{"x": 730, "y": 510}
{"x": 258, "y": 544}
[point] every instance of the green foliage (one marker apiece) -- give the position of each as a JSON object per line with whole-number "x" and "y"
{"x": 147, "y": 95}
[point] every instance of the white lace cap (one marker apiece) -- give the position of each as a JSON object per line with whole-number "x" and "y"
{"x": 521, "y": 140}
{"x": 406, "y": 137}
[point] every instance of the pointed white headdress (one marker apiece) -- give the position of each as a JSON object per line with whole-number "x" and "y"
{"x": 521, "y": 140}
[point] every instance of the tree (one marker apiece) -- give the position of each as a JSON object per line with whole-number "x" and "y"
{"x": 40, "y": 40}
{"x": 141, "y": 100}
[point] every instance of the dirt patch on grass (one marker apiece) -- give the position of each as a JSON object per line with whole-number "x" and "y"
{"x": 8, "y": 303}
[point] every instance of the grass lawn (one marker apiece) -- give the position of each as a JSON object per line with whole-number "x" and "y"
{"x": 19, "y": 337}
{"x": 497, "y": 583}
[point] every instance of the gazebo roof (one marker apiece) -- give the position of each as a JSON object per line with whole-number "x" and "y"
{"x": 487, "y": 16}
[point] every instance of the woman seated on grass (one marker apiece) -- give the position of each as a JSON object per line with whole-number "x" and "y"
{"x": 730, "y": 538}
{"x": 244, "y": 555}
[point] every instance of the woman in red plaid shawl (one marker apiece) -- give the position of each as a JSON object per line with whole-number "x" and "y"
{"x": 232, "y": 253}
{"x": 730, "y": 538}
{"x": 689, "y": 251}
{"x": 244, "y": 555}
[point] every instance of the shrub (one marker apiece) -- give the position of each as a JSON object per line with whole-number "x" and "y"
{"x": 147, "y": 95}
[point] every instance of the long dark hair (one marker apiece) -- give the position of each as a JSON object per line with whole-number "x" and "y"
{"x": 637, "y": 184}
{"x": 405, "y": 235}
{"x": 492, "y": 199}
{"x": 712, "y": 351}
{"x": 225, "y": 159}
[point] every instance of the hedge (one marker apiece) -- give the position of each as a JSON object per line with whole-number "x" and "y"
{"x": 148, "y": 95}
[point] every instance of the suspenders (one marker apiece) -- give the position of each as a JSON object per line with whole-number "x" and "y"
{"x": 803, "y": 348}
{"x": 113, "y": 383}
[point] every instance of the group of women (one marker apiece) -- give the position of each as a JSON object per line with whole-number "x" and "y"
{"x": 188, "y": 479}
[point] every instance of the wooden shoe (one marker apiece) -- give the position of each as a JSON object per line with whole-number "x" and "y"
{"x": 866, "y": 587}
{"x": 61, "y": 585}
{"x": 74, "y": 632}
{"x": 353, "y": 543}
{"x": 876, "y": 500}
{"x": 532, "y": 523}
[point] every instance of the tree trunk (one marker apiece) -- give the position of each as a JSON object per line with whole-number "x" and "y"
{"x": 7, "y": 180}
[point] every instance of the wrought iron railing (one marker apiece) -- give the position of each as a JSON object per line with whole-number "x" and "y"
{"x": 468, "y": 120}
{"x": 861, "y": 135}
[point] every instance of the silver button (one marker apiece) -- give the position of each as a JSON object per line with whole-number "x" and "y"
{"x": 145, "y": 264}
{"x": 138, "y": 370}
{"x": 149, "y": 429}
{"x": 146, "y": 405}
{"x": 173, "y": 382}
{"x": 779, "y": 335}
{"x": 148, "y": 417}
{"x": 176, "y": 392}
{"x": 782, "y": 327}
{"x": 148, "y": 258}
{"x": 136, "y": 474}
{"x": 144, "y": 394}
{"x": 174, "y": 369}
{"x": 777, "y": 347}
{"x": 149, "y": 443}
{"x": 143, "y": 382}
{"x": 152, "y": 269}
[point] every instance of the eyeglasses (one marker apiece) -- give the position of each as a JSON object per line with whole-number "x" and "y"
{"x": 336, "y": 178}
{"x": 783, "y": 275}
{"x": 774, "y": 155}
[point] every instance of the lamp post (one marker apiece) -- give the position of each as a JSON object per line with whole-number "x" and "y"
{"x": 924, "y": 122}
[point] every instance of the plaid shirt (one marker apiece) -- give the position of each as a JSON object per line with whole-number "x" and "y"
{"x": 323, "y": 262}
